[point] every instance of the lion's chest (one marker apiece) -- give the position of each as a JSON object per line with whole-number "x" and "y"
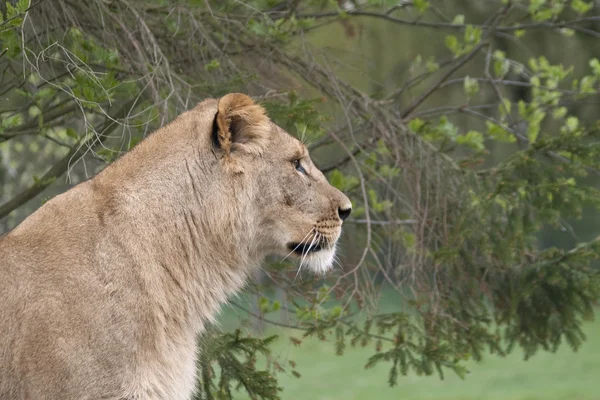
{"x": 171, "y": 376}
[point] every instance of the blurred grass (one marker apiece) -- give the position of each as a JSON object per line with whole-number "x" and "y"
{"x": 564, "y": 375}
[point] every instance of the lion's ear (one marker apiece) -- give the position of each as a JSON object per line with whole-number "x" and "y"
{"x": 241, "y": 124}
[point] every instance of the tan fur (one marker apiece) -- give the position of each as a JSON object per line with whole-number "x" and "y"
{"x": 104, "y": 289}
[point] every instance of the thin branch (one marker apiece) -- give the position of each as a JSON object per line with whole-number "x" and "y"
{"x": 492, "y": 26}
{"x": 269, "y": 321}
{"x": 488, "y": 74}
{"x": 359, "y": 13}
{"x": 6, "y": 21}
{"x": 31, "y": 126}
{"x": 451, "y": 26}
{"x": 383, "y": 223}
{"x": 61, "y": 166}
{"x": 505, "y": 82}
{"x": 524, "y": 139}
{"x": 409, "y": 83}
{"x": 437, "y": 84}
{"x": 341, "y": 162}
{"x": 434, "y": 112}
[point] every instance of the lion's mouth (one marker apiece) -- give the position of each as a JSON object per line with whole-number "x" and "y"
{"x": 305, "y": 248}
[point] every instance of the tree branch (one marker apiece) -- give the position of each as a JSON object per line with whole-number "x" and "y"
{"x": 61, "y": 166}
{"x": 341, "y": 162}
{"x": 523, "y": 139}
{"x": 437, "y": 84}
{"x": 32, "y": 126}
{"x": 451, "y": 26}
{"x": 383, "y": 223}
{"x": 491, "y": 28}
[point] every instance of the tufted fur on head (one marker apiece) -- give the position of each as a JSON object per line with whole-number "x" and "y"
{"x": 105, "y": 287}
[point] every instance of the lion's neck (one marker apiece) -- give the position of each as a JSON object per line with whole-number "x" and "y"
{"x": 193, "y": 235}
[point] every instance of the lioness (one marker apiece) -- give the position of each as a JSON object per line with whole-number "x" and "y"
{"x": 105, "y": 287}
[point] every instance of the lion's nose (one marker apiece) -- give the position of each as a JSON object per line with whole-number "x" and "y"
{"x": 344, "y": 213}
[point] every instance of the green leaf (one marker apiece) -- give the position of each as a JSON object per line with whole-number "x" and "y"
{"x": 416, "y": 63}
{"x": 458, "y": 19}
{"x": 452, "y": 44}
{"x": 523, "y": 109}
{"x": 559, "y": 112}
{"x": 214, "y": 64}
{"x": 505, "y": 108}
{"x": 34, "y": 111}
{"x": 446, "y": 129}
{"x": 501, "y": 68}
{"x": 518, "y": 68}
{"x": 470, "y": 86}
{"x": 587, "y": 84}
{"x": 499, "y": 55}
{"x": 11, "y": 11}
{"x": 567, "y": 32}
{"x": 306, "y": 23}
{"x": 410, "y": 239}
{"x": 336, "y": 179}
{"x": 44, "y": 94}
{"x": 581, "y": 7}
{"x": 12, "y": 42}
{"x": 71, "y": 133}
{"x": 276, "y": 305}
{"x": 421, "y": 5}
{"x": 431, "y": 65}
{"x": 498, "y": 133}
{"x": 595, "y": 66}
{"x": 382, "y": 148}
{"x": 572, "y": 124}
{"x": 543, "y": 15}
{"x": 416, "y": 124}
{"x": 263, "y": 304}
{"x": 536, "y": 5}
{"x": 535, "y": 121}
{"x": 472, "y": 139}
{"x": 473, "y": 34}
{"x": 12, "y": 121}
{"x": 22, "y": 6}
{"x": 388, "y": 172}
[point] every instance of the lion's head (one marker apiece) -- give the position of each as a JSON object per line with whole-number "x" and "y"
{"x": 297, "y": 211}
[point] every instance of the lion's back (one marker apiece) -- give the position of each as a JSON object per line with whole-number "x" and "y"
{"x": 57, "y": 319}
{"x": 14, "y": 292}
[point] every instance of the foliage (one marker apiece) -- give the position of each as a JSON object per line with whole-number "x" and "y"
{"x": 459, "y": 158}
{"x": 225, "y": 350}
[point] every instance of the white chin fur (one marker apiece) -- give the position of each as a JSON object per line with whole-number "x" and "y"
{"x": 321, "y": 261}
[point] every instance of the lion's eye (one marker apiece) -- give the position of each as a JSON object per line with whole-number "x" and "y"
{"x": 299, "y": 167}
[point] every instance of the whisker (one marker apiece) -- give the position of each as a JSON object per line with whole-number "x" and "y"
{"x": 297, "y": 272}
{"x": 305, "y": 253}
{"x": 299, "y": 268}
{"x": 299, "y": 244}
{"x": 337, "y": 261}
{"x": 312, "y": 243}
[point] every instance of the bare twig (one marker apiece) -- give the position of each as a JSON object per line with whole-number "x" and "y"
{"x": 30, "y": 127}
{"x": 406, "y": 112}
{"x": 494, "y": 21}
{"x": 452, "y": 26}
{"x": 390, "y": 222}
{"x": 61, "y": 166}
